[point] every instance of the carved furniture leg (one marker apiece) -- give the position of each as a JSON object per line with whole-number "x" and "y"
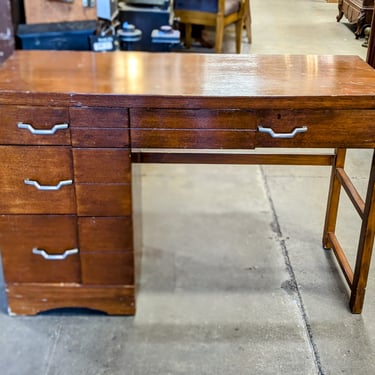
{"x": 341, "y": 12}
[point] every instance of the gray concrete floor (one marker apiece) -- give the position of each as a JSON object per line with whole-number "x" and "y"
{"x": 234, "y": 279}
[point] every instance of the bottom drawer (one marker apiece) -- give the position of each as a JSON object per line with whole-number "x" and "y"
{"x": 39, "y": 248}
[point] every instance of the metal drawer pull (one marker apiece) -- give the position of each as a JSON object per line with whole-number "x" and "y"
{"x": 302, "y": 129}
{"x": 62, "y": 256}
{"x": 48, "y": 187}
{"x": 51, "y": 131}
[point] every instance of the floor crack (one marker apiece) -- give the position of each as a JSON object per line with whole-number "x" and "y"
{"x": 292, "y": 283}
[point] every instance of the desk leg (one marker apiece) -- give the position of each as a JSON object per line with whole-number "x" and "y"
{"x": 365, "y": 246}
{"x": 357, "y": 280}
{"x": 333, "y": 198}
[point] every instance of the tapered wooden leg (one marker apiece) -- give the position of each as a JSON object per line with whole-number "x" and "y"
{"x": 366, "y": 243}
{"x": 247, "y": 19}
{"x": 219, "y": 34}
{"x": 238, "y": 36}
{"x": 333, "y": 198}
{"x": 188, "y": 37}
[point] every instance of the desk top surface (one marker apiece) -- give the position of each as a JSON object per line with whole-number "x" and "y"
{"x": 187, "y": 79}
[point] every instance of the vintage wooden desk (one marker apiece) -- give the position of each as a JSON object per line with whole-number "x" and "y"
{"x": 72, "y": 124}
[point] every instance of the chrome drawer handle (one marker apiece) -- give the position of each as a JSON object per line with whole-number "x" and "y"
{"x": 62, "y": 256}
{"x": 302, "y": 129}
{"x": 48, "y": 187}
{"x": 51, "y": 131}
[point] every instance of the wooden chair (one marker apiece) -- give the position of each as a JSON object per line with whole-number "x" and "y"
{"x": 214, "y": 13}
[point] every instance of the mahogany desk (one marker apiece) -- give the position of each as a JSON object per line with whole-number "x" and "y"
{"x": 72, "y": 123}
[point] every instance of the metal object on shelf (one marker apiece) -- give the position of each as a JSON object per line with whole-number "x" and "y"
{"x": 165, "y": 34}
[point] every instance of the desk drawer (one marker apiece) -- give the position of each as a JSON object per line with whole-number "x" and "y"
{"x": 106, "y": 245}
{"x": 107, "y": 268}
{"x": 105, "y": 234}
{"x": 35, "y": 180}
{"x": 34, "y": 125}
{"x": 99, "y": 127}
{"x": 310, "y": 128}
{"x": 51, "y": 237}
{"x": 101, "y": 165}
{"x": 97, "y": 117}
{"x": 103, "y": 199}
{"x": 221, "y": 129}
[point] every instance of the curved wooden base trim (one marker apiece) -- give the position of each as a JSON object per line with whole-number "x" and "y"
{"x": 30, "y": 299}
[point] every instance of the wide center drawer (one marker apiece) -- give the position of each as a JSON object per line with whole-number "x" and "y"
{"x": 196, "y": 129}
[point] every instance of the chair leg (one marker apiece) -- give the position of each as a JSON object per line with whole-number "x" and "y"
{"x": 238, "y": 36}
{"x": 219, "y": 34}
{"x": 247, "y": 19}
{"x": 188, "y": 37}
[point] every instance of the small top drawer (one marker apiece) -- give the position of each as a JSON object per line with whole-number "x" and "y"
{"x": 25, "y": 125}
{"x": 99, "y": 127}
{"x": 316, "y": 128}
{"x": 192, "y": 128}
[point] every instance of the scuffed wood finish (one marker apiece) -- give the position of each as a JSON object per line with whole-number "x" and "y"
{"x": 157, "y": 80}
{"x": 30, "y": 299}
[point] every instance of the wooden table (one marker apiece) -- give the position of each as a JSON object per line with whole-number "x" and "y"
{"x": 72, "y": 124}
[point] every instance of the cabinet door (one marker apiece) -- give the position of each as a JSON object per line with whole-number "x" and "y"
{"x": 35, "y": 180}
{"x": 39, "y": 248}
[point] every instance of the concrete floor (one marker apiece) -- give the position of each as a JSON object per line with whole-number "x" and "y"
{"x": 234, "y": 279}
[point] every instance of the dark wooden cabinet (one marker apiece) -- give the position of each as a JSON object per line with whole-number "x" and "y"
{"x": 358, "y": 12}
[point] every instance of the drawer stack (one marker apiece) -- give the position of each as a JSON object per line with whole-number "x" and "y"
{"x": 65, "y": 212}
{"x": 102, "y": 173}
